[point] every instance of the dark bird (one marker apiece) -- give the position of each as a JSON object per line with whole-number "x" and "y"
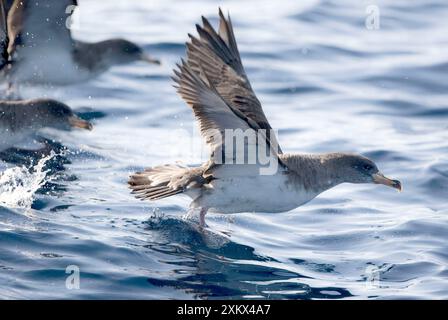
{"x": 213, "y": 82}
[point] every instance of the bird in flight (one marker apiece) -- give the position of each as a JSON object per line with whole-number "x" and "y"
{"x": 242, "y": 175}
{"x": 40, "y": 48}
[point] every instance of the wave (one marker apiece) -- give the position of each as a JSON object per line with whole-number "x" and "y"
{"x": 18, "y": 185}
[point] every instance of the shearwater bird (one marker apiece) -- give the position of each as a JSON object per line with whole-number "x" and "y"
{"x": 213, "y": 82}
{"x": 41, "y": 49}
{"x": 21, "y": 120}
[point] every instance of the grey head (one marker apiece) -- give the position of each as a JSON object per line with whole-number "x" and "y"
{"x": 121, "y": 51}
{"x": 353, "y": 168}
{"x": 43, "y": 113}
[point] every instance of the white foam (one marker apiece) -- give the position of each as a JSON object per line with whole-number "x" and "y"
{"x": 18, "y": 185}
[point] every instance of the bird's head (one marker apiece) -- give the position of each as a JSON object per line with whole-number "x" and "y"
{"x": 354, "y": 168}
{"x": 54, "y": 114}
{"x": 121, "y": 51}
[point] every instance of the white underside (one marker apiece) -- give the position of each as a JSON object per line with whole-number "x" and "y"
{"x": 253, "y": 194}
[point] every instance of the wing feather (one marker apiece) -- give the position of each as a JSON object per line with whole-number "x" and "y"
{"x": 214, "y": 115}
{"x": 217, "y": 55}
{"x": 210, "y": 110}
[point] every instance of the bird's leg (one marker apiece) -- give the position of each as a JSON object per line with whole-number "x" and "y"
{"x": 193, "y": 212}
{"x": 202, "y": 214}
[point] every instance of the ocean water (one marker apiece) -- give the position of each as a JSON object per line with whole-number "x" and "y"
{"x": 330, "y": 79}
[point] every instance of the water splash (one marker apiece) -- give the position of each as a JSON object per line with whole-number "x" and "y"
{"x": 18, "y": 185}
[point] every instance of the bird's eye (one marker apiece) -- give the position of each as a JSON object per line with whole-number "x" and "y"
{"x": 367, "y": 167}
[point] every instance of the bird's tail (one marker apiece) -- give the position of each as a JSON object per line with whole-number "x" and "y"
{"x": 162, "y": 181}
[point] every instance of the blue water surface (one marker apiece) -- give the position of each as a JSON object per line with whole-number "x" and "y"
{"x": 327, "y": 81}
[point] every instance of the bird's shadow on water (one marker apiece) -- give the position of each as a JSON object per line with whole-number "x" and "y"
{"x": 209, "y": 265}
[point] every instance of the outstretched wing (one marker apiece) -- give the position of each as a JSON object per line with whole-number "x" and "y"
{"x": 217, "y": 56}
{"x": 211, "y": 111}
{"x": 43, "y": 24}
{"x": 216, "y": 117}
